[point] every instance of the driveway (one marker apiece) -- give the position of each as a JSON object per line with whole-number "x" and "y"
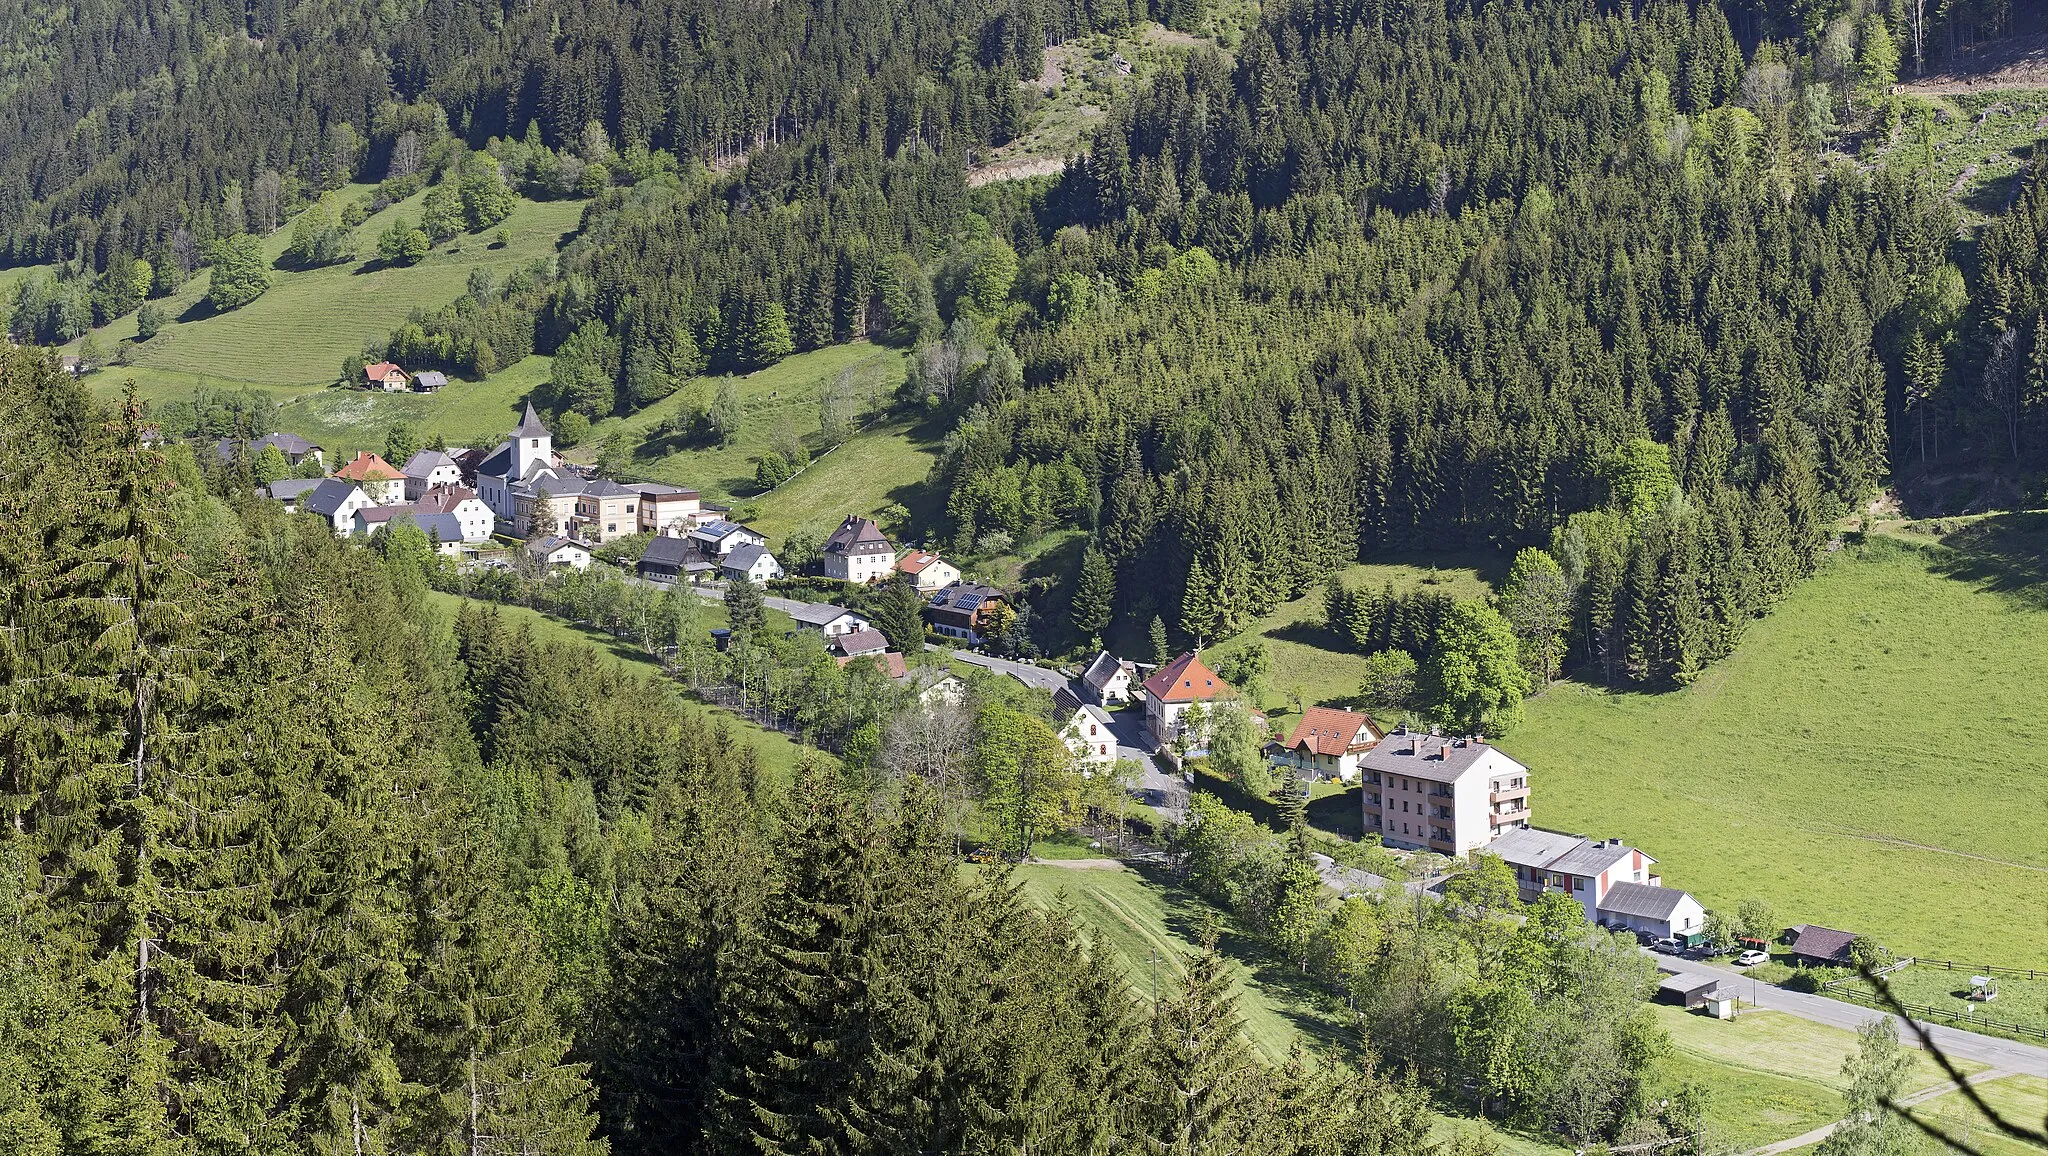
{"x": 2002, "y": 1054}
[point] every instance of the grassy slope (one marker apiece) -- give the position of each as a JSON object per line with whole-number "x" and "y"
{"x": 2021, "y": 1099}
{"x": 778, "y": 753}
{"x": 1981, "y": 143}
{"x": 298, "y": 332}
{"x": 881, "y": 465}
{"x": 1894, "y": 699}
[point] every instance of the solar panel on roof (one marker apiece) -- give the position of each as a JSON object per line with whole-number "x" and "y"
{"x": 969, "y": 601}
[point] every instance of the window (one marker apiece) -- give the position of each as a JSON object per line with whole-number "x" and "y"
{"x": 1578, "y": 884}
{"x": 535, "y": 443}
{"x": 1091, "y": 729}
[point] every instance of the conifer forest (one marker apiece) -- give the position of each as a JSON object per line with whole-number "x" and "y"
{"x": 300, "y": 856}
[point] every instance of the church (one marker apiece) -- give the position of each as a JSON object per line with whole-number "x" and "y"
{"x": 520, "y": 470}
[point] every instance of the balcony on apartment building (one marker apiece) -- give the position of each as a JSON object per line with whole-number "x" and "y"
{"x": 1511, "y": 813}
{"x": 1439, "y": 791}
{"x": 1508, "y": 794}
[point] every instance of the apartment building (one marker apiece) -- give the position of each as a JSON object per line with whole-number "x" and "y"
{"x": 1442, "y": 793}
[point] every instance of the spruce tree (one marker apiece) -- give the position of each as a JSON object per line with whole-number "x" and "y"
{"x": 1201, "y": 1078}
{"x": 1094, "y": 596}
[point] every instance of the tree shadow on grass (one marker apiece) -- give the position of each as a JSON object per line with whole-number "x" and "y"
{"x": 2006, "y": 554}
{"x": 1298, "y": 997}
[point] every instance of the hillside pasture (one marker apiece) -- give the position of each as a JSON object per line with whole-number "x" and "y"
{"x": 1869, "y": 758}
{"x": 300, "y": 329}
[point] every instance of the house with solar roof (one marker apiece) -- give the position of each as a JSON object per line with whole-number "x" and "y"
{"x": 961, "y": 610}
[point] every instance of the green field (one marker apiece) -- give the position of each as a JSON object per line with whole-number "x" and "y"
{"x": 298, "y": 331}
{"x": 1868, "y": 758}
{"x": 2021, "y": 1099}
{"x": 880, "y": 466}
{"x": 2020, "y": 1000}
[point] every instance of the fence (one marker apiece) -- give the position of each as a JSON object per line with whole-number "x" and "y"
{"x": 1942, "y": 1015}
{"x": 1980, "y": 968}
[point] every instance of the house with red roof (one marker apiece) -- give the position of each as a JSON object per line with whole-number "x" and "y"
{"x": 382, "y": 482}
{"x": 1325, "y": 744}
{"x": 1183, "y": 683}
{"x": 387, "y": 377}
{"x": 931, "y": 572}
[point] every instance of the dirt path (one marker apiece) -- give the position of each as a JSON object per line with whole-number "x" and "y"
{"x": 1015, "y": 170}
{"x": 1912, "y": 846}
{"x": 1080, "y": 864}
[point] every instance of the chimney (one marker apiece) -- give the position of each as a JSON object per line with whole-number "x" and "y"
{"x": 1415, "y": 744}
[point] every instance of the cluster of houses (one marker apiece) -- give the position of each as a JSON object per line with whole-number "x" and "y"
{"x": 461, "y": 496}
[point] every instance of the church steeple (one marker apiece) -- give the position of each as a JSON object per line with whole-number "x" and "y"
{"x": 532, "y": 444}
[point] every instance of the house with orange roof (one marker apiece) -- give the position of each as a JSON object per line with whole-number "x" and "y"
{"x": 931, "y": 572}
{"x": 1325, "y": 744}
{"x": 382, "y": 482}
{"x": 387, "y": 377}
{"x": 1183, "y": 683}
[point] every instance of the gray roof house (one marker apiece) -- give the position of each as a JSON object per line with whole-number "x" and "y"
{"x": 832, "y": 620}
{"x": 429, "y": 380}
{"x": 1818, "y": 946}
{"x": 291, "y": 490}
{"x": 665, "y": 558}
{"x": 1573, "y": 865}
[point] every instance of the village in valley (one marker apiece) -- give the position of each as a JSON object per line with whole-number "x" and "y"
{"x": 1428, "y": 801}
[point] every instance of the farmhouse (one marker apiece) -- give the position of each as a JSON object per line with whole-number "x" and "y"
{"x": 931, "y": 572}
{"x": 430, "y": 381}
{"x": 1442, "y": 793}
{"x": 665, "y": 558}
{"x": 555, "y": 552}
{"x": 379, "y": 479}
{"x": 294, "y": 448}
{"x": 1325, "y": 744}
{"x": 1108, "y": 679}
{"x": 666, "y": 509}
{"x": 1173, "y": 688}
{"x": 858, "y": 551}
{"x": 963, "y": 611}
{"x": 860, "y": 643}
{"x": 1811, "y": 945}
{"x": 385, "y": 376}
{"x": 427, "y": 469}
{"x": 827, "y": 619}
{"x": 754, "y": 563}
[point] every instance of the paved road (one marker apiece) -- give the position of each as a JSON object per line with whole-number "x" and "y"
{"x": 1023, "y": 672}
{"x": 2002, "y": 1054}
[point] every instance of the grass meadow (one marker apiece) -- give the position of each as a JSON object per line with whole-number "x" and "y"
{"x": 1869, "y": 758}
{"x": 300, "y": 329}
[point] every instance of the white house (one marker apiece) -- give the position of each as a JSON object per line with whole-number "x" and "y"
{"x": 1573, "y": 865}
{"x": 427, "y": 469}
{"x": 1659, "y": 912}
{"x": 931, "y": 572}
{"x": 719, "y": 538}
{"x": 521, "y": 460}
{"x": 1089, "y": 735}
{"x": 476, "y": 518}
{"x": 445, "y": 530}
{"x": 337, "y": 501}
{"x": 858, "y": 551}
{"x": 1108, "y": 679}
{"x": 827, "y": 619}
{"x": 1325, "y": 744}
{"x": 1442, "y": 793}
{"x": 380, "y": 480}
{"x": 1176, "y": 687}
{"x": 555, "y": 552}
{"x": 754, "y": 563}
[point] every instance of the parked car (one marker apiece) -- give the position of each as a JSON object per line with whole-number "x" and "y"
{"x": 1669, "y": 945}
{"x": 1752, "y": 958}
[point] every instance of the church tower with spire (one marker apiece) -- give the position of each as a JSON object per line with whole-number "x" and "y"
{"x": 532, "y": 445}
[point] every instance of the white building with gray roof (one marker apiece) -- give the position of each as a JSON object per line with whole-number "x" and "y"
{"x": 1443, "y": 793}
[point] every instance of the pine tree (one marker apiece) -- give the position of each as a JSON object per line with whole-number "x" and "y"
{"x": 1201, "y": 1077}
{"x": 1155, "y": 641}
{"x": 1094, "y": 596}
{"x": 745, "y": 613}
